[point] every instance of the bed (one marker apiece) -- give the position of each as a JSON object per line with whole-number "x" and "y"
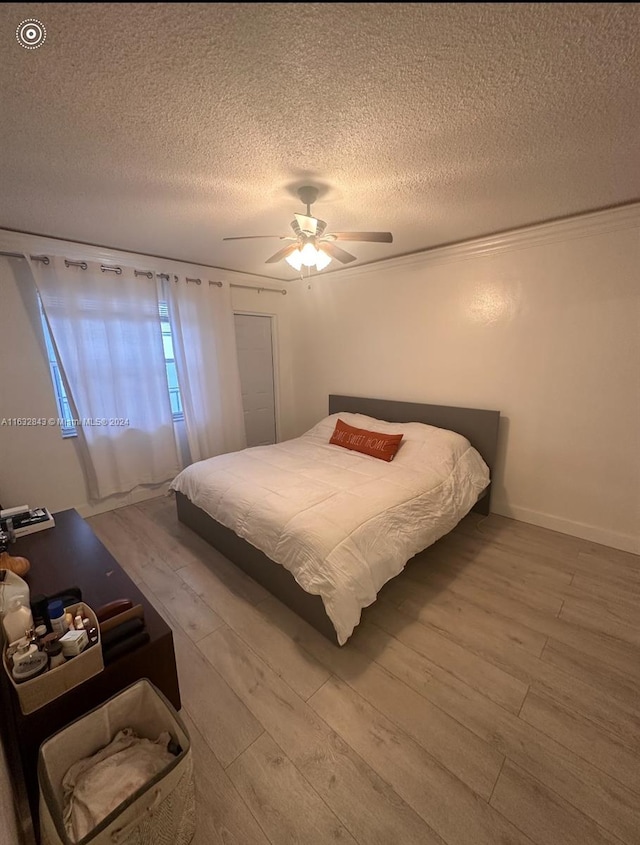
{"x": 336, "y": 590}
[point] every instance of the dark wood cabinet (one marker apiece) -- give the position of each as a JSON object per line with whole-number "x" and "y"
{"x": 70, "y": 555}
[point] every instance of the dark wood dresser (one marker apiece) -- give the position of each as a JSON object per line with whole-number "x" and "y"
{"x": 70, "y": 555}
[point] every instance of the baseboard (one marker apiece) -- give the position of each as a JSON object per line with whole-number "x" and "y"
{"x": 114, "y": 502}
{"x": 593, "y": 533}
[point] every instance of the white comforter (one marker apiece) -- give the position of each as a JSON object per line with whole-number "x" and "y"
{"x": 341, "y": 522}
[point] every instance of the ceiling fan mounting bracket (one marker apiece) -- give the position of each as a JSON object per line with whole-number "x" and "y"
{"x": 308, "y": 194}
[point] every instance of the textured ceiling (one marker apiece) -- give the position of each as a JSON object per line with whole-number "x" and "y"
{"x": 162, "y": 128}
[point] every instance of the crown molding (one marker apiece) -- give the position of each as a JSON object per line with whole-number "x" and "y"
{"x": 579, "y": 226}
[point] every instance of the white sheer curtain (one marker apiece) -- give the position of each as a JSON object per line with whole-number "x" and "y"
{"x": 207, "y": 363}
{"x": 107, "y": 334}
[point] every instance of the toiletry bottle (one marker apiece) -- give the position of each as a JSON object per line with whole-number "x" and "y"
{"x": 39, "y": 608}
{"x": 18, "y": 619}
{"x": 24, "y": 651}
{"x": 11, "y": 586}
{"x": 53, "y": 650}
{"x": 32, "y": 666}
{"x": 57, "y": 616}
{"x": 32, "y": 637}
{"x": 15, "y": 647}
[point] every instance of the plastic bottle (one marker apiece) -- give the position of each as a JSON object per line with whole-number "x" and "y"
{"x": 11, "y": 586}
{"x": 53, "y": 650}
{"x": 30, "y": 667}
{"x": 59, "y": 623}
{"x": 23, "y": 652}
{"x": 18, "y": 619}
{"x": 39, "y": 605}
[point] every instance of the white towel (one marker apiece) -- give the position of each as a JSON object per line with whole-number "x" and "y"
{"x": 96, "y": 785}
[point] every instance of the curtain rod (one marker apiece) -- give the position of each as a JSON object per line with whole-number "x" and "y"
{"x": 253, "y": 287}
{"x": 119, "y": 249}
{"x": 147, "y": 273}
{"x": 43, "y": 258}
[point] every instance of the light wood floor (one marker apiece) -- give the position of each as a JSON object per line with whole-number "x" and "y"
{"x": 491, "y": 696}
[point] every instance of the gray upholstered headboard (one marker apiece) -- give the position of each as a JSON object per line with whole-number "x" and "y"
{"x": 480, "y": 427}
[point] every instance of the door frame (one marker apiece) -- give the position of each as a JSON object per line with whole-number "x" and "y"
{"x": 243, "y": 312}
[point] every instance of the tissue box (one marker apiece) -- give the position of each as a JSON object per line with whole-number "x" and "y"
{"x": 39, "y": 691}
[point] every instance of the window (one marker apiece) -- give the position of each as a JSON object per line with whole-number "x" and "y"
{"x": 68, "y": 428}
{"x": 170, "y": 361}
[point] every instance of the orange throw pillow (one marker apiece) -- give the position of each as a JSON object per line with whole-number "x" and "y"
{"x": 374, "y": 443}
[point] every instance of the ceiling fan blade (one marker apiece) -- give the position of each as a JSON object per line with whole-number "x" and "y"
{"x": 251, "y": 237}
{"x": 373, "y": 237}
{"x": 282, "y": 253}
{"x": 308, "y": 225}
{"x": 335, "y": 252}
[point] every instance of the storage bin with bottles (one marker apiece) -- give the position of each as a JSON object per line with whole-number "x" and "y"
{"x": 38, "y": 681}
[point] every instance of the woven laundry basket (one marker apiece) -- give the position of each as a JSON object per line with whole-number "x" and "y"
{"x": 162, "y": 812}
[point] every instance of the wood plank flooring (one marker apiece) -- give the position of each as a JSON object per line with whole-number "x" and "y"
{"x": 491, "y": 696}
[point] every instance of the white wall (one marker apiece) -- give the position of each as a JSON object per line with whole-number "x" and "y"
{"x": 38, "y": 467}
{"x": 542, "y": 324}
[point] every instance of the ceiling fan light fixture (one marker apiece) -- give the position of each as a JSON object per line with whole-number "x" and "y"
{"x": 295, "y": 260}
{"x": 318, "y": 258}
{"x": 312, "y": 245}
{"x": 309, "y": 254}
{"x": 323, "y": 260}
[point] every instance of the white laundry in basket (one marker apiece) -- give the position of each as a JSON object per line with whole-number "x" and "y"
{"x": 160, "y": 812}
{"x": 96, "y": 785}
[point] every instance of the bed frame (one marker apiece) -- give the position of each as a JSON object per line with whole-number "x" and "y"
{"x": 478, "y": 426}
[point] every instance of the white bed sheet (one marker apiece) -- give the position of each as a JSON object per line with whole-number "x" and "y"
{"x": 341, "y": 522}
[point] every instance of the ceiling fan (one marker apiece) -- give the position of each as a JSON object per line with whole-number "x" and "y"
{"x": 312, "y": 246}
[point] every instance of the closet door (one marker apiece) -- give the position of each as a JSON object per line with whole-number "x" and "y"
{"x": 255, "y": 358}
